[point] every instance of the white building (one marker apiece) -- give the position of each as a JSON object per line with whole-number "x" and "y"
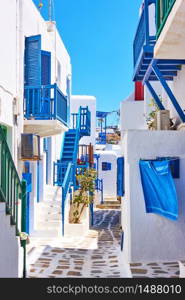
{"x": 24, "y": 30}
{"x": 144, "y": 232}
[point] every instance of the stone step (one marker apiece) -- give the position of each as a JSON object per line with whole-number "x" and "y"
{"x": 47, "y": 232}
{"x": 106, "y": 205}
{"x": 46, "y": 224}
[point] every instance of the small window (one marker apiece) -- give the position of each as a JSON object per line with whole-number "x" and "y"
{"x": 106, "y": 166}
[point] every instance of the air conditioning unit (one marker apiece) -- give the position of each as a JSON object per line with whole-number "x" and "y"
{"x": 163, "y": 120}
{"x": 30, "y": 147}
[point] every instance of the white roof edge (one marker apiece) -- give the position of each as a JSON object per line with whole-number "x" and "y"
{"x": 83, "y": 97}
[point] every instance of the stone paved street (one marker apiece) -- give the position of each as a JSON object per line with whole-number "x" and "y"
{"x": 96, "y": 255}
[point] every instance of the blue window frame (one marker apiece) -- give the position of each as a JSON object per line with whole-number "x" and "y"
{"x": 106, "y": 166}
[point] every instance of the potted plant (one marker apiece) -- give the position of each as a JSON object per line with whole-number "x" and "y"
{"x": 83, "y": 196}
{"x": 151, "y": 118}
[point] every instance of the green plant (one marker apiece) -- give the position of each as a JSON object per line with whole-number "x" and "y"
{"x": 151, "y": 116}
{"x": 85, "y": 194}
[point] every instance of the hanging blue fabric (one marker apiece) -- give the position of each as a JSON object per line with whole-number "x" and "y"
{"x": 159, "y": 188}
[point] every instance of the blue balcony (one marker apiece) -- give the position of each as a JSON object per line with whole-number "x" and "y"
{"x": 45, "y": 110}
{"x": 144, "y": 41}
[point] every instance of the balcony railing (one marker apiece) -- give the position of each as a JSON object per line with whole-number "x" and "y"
{"x": 143, "y": 38}
{"x": 163, "y": 9}
{"x": 82, "y": 121}
{"x": 45, "y": 103}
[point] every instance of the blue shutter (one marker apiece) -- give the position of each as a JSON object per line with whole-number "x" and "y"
{"x": 33, "y": 60}
{"x": 120, "y": 176}
{"x": 46, "y": 80}
{"x": 33, "y": 71}
{"x": 45, "y": 68}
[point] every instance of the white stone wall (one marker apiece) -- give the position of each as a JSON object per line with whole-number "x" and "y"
{"x": 150, "y": 237}
{"x": 132, "y": 115}
{"x": 11, "y": 258}
{"x": 109, "y": 177}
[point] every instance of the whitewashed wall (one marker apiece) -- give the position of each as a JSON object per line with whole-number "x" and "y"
{"x": 19, "y": 19}
{"x": 11, "y": 258}
{"x": 150, "y": 237}
{"x": 109, "y": 177}
{"x": 90, "y": 101}
{"x": 132, "y": 115}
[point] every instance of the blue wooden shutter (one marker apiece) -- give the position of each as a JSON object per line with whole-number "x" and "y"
{"x": 120, "y": 176}
{"x": 33, "y": 71}
{"x": 46, "y": 80}
{"x": 33, "y": 60}
{"x": 45, "y": 68}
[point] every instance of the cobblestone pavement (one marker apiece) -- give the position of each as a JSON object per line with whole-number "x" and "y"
{"x": 96, "y": 255}
{"x": 155, "y": 270}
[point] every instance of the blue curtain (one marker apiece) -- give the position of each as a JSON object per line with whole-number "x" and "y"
{"x": 159, "y": 188}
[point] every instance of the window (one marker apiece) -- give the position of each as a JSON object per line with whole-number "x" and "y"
{"x": 106, "y": 166}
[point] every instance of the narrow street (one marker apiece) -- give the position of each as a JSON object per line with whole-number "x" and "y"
{"x": 97, "y": 255}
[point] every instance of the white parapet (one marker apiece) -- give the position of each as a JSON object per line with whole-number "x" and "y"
{"x": 171, "y": 42}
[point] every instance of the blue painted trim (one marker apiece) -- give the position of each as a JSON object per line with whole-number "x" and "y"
{"x": 168, "y": 91}
{"x": 163, "y": 67}
{"x": 120, "y": 176}
{"x": 164, "y": 73}
{"x": 147, "y": 74}
{"x": 122, "y": 240}
{"x": 155, "y": 96}
{"x": 38, "y": 181}
{"x": 63, "y": 216}
{"x": 91, "y": 207}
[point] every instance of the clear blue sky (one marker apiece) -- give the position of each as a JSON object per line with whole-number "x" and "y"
{"x": 98, "y": 35}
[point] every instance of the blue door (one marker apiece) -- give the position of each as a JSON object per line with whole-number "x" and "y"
{"x": 120, "y": 176}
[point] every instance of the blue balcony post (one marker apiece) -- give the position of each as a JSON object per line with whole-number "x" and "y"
{"x": 155, "y": 96}
{"x": 63, "y": 211}
{"x": 146, "y": 13}
{"x": 168, "y": 91}
{"x": 55, "y": 101}
{"x": 102, "y": 191}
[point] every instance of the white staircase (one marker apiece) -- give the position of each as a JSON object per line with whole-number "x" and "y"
{"x": 48, "y": 214}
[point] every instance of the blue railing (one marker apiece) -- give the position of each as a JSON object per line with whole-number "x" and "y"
{"x": 82, "y": 121}
{"x": 45, "y": 102}
{"x": 102, "y": 138}
{"x": 99, "y": 187}
{"x": 142, "y": 36}
{"x": 68, "y": 180}
{"x": 59, "y": 171}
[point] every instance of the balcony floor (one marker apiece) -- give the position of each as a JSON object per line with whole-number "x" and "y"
{"x": 171, "y": 42}
{"x": 44, "y": 128}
